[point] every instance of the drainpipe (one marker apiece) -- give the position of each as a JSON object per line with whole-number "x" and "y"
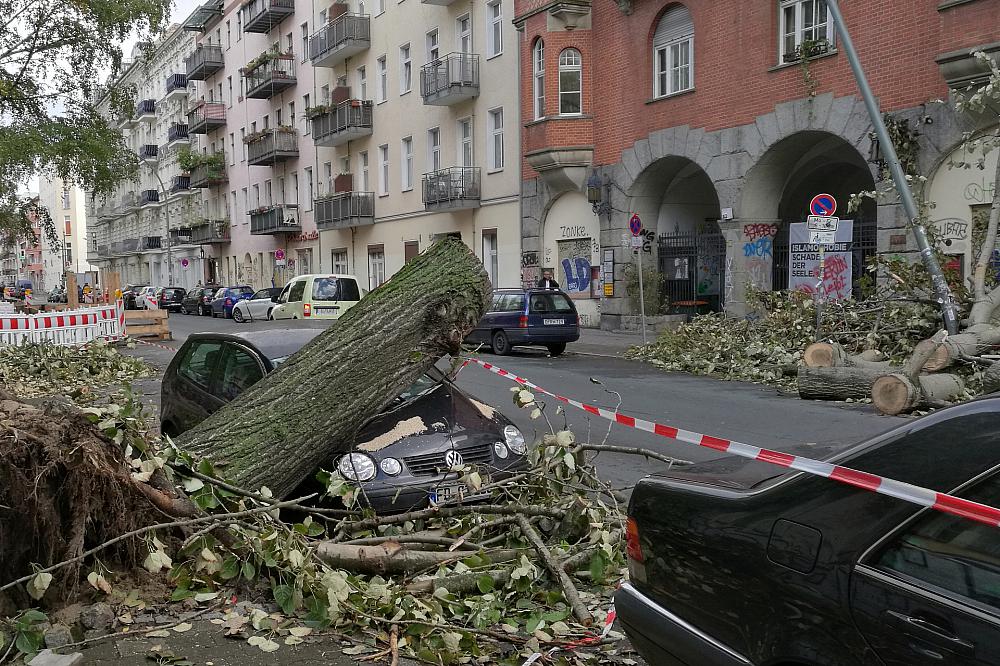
{"x": 942, "y": 291}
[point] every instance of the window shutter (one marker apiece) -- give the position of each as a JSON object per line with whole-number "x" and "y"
{"x": 675, "y": 24}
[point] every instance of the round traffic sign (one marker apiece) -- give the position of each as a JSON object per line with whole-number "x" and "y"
{"x": 823, "y": 204}
{"x": 279, "y": 254}
{"x": 184, "y": 263}
{"x": 635, "y": 224}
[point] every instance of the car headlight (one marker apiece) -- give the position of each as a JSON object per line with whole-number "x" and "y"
{"x": 500, "y": 449}
{"x": 515, "y": 440}
{"x": 357, "y": 467}
{"x": 391, "y": 466}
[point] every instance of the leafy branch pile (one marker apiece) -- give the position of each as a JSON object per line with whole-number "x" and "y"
{"x": 45, "y": 369}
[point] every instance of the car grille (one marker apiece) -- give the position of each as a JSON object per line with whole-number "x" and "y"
{"x": 433, "y": 463}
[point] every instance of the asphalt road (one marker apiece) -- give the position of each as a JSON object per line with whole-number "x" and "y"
{"x": 749, "y": 413}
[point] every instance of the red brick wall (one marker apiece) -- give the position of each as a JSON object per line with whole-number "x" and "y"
{"x": 736, "y": 51}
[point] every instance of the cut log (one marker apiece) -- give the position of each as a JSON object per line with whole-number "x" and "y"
{"x": 309, "y": 410}
{"x": 836, "y": 383}
{"x": 899, "y": 394}
{"x": 392, "y": 558}
{"x": 832, "y": 355}
{"x": 973, "y": 341}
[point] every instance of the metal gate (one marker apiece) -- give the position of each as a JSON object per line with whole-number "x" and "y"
{"x": 692, "y": 266}
{"x": 864, "y": 247}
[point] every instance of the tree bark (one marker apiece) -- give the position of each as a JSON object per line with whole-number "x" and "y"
{"x": 392, "y": 558}
{"x": 832, "y": 355}
{"x": 899, "y": 394}
{"x": 979, "y": 314}
{"x": 837, "y": 383}
{"x": 973, "y": 341}
{"x": 991, "y": 379}
{"x": 299, "y": 417}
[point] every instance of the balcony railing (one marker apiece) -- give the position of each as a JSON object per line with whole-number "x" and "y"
{"x": 180, "y": 236}
{"x": 205, "y": 16}
{"x": 206, "y": 60}
{"x": 149, "y": 197}
{"x": 278, "y": 219}
{"x": 176, "y": 84}
{"x": 275, "y": 74}
{"x": 206, "y": 175}
{"x": 351, "y": 119}
{"x": 127, "y": 246}
{"x": 338, "y": 40}
{"x": 263, "y": 15}
{"x": 149, "y": 152}
{"x": 206, "y": 116}
{"x": 342, "y": 210}
{"x": 180, "y": 184}
{"x": 150, "y": 243}
{"x": 273, "y": 146}
{"x": 130, "y": 201}
{"x": 452, "y": 188}
{"x": 450, "y": 79}
{"x": 210, "y": 231}
{"x": 177, "y": 132}
{"x": 146, "y": 110}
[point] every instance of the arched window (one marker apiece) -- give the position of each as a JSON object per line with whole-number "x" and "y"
{"x": 538, "y": 73}
{"x": 570, "y": 82}
{"x": 673, "y": 52}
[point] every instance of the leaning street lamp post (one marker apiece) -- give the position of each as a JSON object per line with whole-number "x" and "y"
{"x": 166, "y": 215}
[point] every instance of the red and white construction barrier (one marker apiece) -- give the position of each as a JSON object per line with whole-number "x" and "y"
{"x": 583, "y": 642}
{"x": 877, "y": 484}
{"x": 68, "y": 327}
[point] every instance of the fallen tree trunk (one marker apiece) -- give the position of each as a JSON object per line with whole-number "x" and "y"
{"x": 974, "y": 341}
{"x": 392, "y": 558}
{"x": 309, "y": 410}
{"x": 898, "y": 394}
{"x": 836, "y": 383}
{"x": 833, "y": 355}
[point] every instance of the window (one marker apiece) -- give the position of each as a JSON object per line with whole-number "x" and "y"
{"x": 291, "y": 114}
{"x": 405, "y": 69}
{"x": 383, "y": 80}
{"x": 229, "y": 81}
{"x": 232, "y": 149}
{"x": 465, "y": 156}
{"x": 538, "y": 73}
{"x": 296, "y": 292}
{"x": 379, "y": 7}
{"x": 339, "y": 259}
{"x": 376, "y": 266}
{"x": 433, "y": 48}
{"x": 305, "y": 110}
{"x": 463, "y": 28}
{"x": 324, "y": 95}
{"x": 304, "y": 31}
{"x": 240, "y": 371}
{"x": 295, "y": 189}
{"x": 490, "y": 262}
{"x": 406, "y": 163}
{"x": 434, "y": 149}
{"x": 243, "y": 143}
{"x": 308, "y": 175}
{"x": 494, "y": 143}
{"x": 199, "y": 362}
{"x": 229, "y": 37}
{"x": 383, "y": 170}
{"x": 411, "y": 250}
{"x": 570, "y": 82}
{"x": 673, "y": 46}
{"x": 803, "y": 21}
{"x": 65, "y": 199}
{"x": 289, "y": 43}
{"x": 363, "y": 170}
{"x": 362, "y": 83}
{"x": 327, "y": 178}
{"x": 494, "y": 27}
{"x": 239, "y": 26}
{"x": 546, "y": 303}
{"x": 256, "y": 195}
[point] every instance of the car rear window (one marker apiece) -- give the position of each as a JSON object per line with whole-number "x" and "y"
{"x": 551, "y": 304}
{"x": 244, "y": 291}
{"x": 173, "y": 292}
{"x": 335, "y": 289}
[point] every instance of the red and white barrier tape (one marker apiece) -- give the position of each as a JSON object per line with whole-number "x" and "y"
{"x": 583, "y": 642}
{"x": 877, "y": 484}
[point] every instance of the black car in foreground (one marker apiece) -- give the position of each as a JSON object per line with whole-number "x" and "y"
{"x": 737, "y": 562}
{"x": 199, "y": 300}
{"x": 404, "y": 458}
{"x": 527, "y": 317}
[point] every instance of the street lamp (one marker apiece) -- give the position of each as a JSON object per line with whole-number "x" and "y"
{"x": 155, "y": 169}
{"x": 599, "y": 194}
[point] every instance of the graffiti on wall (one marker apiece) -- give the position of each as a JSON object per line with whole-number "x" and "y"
{"x": 574, "y": 263}
{"x": 729, "y": 286}
{"x": 758, "y": 244}
{"x": 708, "y": 274}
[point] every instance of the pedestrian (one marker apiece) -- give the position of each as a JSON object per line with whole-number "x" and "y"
{"x": 79, "y": 293}
{"x": 86, "y": 292}
{"x": 547, "y": 282}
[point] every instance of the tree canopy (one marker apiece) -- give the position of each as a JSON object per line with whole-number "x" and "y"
{"x": 52, "y": 55}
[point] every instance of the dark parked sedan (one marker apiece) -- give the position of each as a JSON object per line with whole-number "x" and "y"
{"x": 199, "y": 300}
{"x": 170, "y": 298}
{"x": 406, "y": 457}
{"x": 527, "y": 317}
{"x": 736, "y": 562}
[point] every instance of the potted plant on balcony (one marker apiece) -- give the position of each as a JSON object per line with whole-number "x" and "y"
{"x": 263, "y": 59}
{"x": 317, "y": 111}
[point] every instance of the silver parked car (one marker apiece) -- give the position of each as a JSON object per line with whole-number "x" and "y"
{"x": 257, "y": 306}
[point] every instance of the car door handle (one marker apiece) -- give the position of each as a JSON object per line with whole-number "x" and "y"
{"x": 928, "y": 630}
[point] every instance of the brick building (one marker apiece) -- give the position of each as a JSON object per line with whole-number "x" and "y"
{"x": 703, "y": 118}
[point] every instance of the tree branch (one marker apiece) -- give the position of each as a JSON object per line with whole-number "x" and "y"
{"x": 580, "y": 610}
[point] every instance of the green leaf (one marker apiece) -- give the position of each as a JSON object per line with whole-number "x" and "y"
{"x": 230, "y": 568}
{"x": 248, "y": 571}
{"x": 597, "y": 566}
{"x": 485, "y": 584}
{"x": 284, "y": 595}
{"x": 33, "y": 615}
{"x": 28, "y": 642}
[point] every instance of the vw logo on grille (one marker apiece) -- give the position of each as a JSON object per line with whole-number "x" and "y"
{"x": 453, "y": 459}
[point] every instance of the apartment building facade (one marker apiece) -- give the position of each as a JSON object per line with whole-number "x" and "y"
{"x": 715, "y": 123}
{"x": 66, "y": 204}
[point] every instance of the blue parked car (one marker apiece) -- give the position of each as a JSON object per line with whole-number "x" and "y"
{"x": 227, "y": 297}
{"x": 528, "y": 317}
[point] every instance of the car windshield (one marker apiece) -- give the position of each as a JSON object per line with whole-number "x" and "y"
{"x": 424, "y": 382}
{"x": 550, "y": 304}
{"x": 244, "y": 291}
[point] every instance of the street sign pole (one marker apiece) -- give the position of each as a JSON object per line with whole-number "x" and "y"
{"x": 635, "y": 226}
{"x": 820, "y": 290}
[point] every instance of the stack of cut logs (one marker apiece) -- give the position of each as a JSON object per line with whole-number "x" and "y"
{"x": 830, "y": 373}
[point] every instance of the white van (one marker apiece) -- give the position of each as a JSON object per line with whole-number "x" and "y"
{"x": 316, "y": 296}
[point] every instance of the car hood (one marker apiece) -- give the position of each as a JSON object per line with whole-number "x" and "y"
{"x": 420, "y": 425}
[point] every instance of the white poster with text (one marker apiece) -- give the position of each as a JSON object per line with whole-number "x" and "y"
{"x": 803, "y": 261}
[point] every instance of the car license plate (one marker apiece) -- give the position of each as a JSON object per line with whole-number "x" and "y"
{"x": 327, "y": 311}
{"x": 554, "y": 322}
{"x": 448, "y": 491}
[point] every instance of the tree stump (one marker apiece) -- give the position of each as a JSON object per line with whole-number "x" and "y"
{"x": 899, "y": 394}
{"x": 836, "y": 383}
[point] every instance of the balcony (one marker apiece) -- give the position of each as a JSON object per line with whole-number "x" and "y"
{"x": 206, "y": 116}
{"x": 145, "y": 110}
{"x": 278, "y": 219}
{"x": 149, "y": 153}
{"x": 147, "y": 243}
{"x": 177, "y": 134}
{"x": 272, "y": 146}
{"x": 208, "y": 173}
{"x": 100, "y": 251}
{"x": 149, "y": 198}
{"x": 263, "y": 15}
{"x": 127, "y": 246}
{"x": 180, "y": 184}
{"x": 127, "y": 122}
{"x": 351, "y": 119}
{"x": 454, "y": 188}
{"x": 206, "y": 60}
{"x": 180, "y": 236}
{"x": 176, "y": 86}
{"x": 205, "y": 16}
{"x": 338, "y": 40}
{"x": 210, "y": 231}
{"x": 269, "y": 74}
{"x": 343, "y": 210}
{"x": 451, "y": 79}
{"x": 439, "y": 3}
{"x": 130, "y": 202}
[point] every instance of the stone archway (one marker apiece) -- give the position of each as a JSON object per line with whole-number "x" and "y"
{"x": 571, "y": 248}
